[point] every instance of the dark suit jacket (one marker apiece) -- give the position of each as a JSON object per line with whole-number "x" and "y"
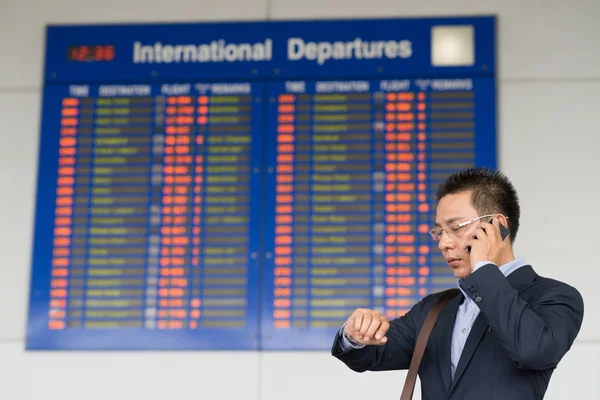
{"x": 526, "y": 325}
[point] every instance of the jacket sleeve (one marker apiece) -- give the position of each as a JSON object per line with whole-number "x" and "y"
{"x": 394, "y": 355}
{"x": 536, "y": 335}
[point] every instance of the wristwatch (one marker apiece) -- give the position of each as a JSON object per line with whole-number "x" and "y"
{"x": 350, "y": 339}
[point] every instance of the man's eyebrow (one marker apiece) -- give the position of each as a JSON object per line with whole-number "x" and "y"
{"x": 450, "y": 220}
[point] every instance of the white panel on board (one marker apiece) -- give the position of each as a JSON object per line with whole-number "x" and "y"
{"x": 537, "y": 39}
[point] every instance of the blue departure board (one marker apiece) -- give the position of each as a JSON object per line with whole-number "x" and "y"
{"x": 357, "y": 165}
{"x": 244, "y": 186}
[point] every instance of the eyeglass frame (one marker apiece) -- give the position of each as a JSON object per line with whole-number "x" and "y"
{"x": 460, "y": 225}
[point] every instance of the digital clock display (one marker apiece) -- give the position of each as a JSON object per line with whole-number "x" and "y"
{"x": 91, "y": 53}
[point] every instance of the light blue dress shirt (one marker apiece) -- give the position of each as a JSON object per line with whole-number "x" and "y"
{"x": 465, "y": 316}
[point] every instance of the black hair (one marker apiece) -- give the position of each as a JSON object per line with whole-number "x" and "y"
{"x": 491, "y": 192}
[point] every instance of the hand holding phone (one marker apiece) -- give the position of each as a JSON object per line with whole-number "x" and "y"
{"x": 504, "y": 232}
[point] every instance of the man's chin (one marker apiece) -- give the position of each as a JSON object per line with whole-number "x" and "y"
{"x": 462, "y": 272}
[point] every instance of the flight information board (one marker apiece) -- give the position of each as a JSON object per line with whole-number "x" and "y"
{"x": 248, "y": 189}
{"x": 356, "y": 166}
{"x": 153, "y": 212}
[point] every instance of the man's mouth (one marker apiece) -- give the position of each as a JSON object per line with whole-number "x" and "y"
{"x": 453, "y": 262}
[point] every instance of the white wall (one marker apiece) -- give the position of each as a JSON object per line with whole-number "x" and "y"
{"x": 549, "y": 89}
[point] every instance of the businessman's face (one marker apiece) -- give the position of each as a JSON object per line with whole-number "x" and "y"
{"x": 451, "y": 211}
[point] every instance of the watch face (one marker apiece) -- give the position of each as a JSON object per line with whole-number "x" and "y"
{"x": 349, "y": 338}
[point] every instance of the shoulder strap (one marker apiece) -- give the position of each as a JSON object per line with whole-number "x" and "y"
{"x": 411, "y": 377}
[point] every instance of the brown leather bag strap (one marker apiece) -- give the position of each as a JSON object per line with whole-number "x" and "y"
{"x": 411, "y": 377}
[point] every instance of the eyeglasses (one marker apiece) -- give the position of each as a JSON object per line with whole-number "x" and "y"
{"x": 454, "y": 228}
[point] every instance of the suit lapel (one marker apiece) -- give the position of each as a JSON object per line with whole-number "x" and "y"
{"x": 520, "y": 280}
{"x": 477, "y": 332}
{"x": 445, "y": 324}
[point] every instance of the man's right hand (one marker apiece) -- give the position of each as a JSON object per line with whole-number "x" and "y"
{"x": 367, "y": 327}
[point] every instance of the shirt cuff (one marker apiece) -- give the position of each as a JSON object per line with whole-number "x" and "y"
{"x": 481, "y": 264}
{"x": 345, "y": 344}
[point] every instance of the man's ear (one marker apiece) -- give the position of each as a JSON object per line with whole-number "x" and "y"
{"x": 502, "y": 219}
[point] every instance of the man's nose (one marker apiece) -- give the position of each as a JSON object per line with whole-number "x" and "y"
{"x": 445, "y": 243}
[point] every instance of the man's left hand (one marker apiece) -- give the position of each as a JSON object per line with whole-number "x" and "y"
{"x": 486, "y": 243}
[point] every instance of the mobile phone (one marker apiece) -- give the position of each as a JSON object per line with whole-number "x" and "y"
{"x": 504, "y": 232}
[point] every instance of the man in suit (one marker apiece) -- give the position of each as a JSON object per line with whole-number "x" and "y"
{"x": 504, "y": 333}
